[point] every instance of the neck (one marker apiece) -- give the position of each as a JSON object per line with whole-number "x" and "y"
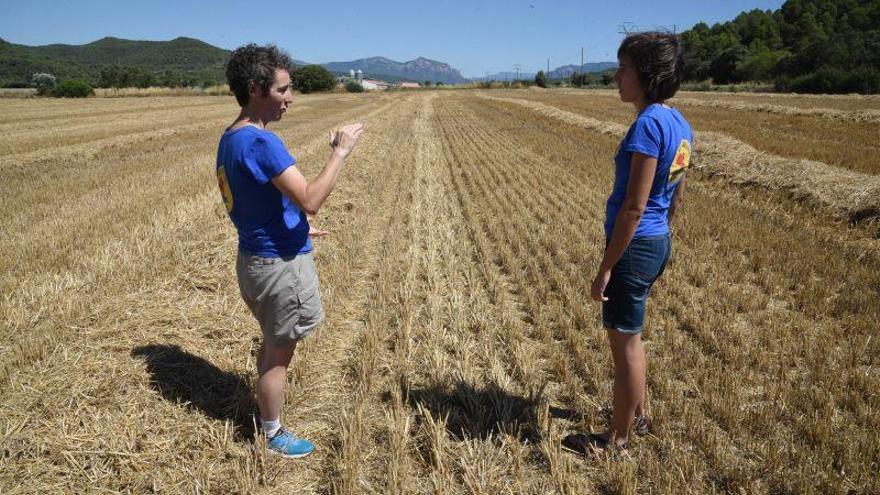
{"x": 641, "y": 105}
{"x": 249, "y": 117}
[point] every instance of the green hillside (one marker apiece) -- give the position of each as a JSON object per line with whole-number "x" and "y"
{"x": 812, "y": 46}
{"x": 183, "y": 59}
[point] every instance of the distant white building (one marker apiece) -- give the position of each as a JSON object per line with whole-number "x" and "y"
{"x": 374, "y": 84}
{"x": 410, "y": 85}
{"x": 358, "y": 77}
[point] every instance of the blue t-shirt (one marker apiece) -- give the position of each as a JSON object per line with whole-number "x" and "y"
{"x": 663, "y": 133}
{"x": 268, "y": 223}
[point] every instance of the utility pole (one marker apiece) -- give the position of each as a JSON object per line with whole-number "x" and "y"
{"x": 548, "y": 67}
{"x": 517, "y": 67}
{"x": 582, "y": 59}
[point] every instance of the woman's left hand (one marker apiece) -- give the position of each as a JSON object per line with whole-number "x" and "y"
{"x": 597, "y": 290}
{"x": 315, "y": 233}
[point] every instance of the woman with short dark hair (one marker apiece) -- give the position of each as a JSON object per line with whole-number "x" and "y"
{"x": 650, "y": 166}
{"x": 267, "y": 198}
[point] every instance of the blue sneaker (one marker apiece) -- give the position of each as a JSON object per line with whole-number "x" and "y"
{"x": 286, "y": 444}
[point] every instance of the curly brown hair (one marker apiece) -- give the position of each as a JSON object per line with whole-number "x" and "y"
{"x": 658, "y": 60}
{"x": 254, "y": 64}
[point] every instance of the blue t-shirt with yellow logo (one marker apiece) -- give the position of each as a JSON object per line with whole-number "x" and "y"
{"x": 268, "y": 223}
{"x": 663, "y": 133}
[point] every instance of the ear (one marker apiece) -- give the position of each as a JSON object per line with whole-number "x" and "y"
{"x": 254, "y": 89}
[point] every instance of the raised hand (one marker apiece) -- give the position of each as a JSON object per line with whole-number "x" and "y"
{"x": 345, "y": 139}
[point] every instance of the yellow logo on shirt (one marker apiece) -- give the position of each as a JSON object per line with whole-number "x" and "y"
{"x": 681, "y": 161}
{"x": 224, "y": 188}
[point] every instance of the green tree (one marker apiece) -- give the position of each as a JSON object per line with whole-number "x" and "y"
{"x": 121, "y": 76}
{"x": 312, "y": 78}
{"x": 44, "y": 83}
{"x": 427, "y": 83}
{"x": 697, "y": 55}
{"x": 760, "y": 66}
{"x": 758, "y": 30}
{"x": 806, "y": 45}
{"x": 541, "y": 79}
{"x": 172, "y": 79}
{"x": 723, "y": 68}
{"x": 72, "y": 88}
{"x": 354, "y": 87}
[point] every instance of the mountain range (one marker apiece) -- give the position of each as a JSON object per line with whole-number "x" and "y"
{"x": 205, "y": 63}
{"x": 560, "y": 72}
{"x": 189, "y": 56}
{"x": 419, "y": 69}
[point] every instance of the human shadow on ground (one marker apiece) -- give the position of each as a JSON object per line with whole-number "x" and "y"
{"x": 195, "y": 383}
{"x": 480, "y": 413}
{"x": 565, "y": 413}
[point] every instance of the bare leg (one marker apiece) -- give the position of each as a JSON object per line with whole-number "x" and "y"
{"x": 272, "y": 378}
{"x": 629, "y": 383}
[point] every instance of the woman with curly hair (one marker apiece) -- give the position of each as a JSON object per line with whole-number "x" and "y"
{"x": 268, "y": 198}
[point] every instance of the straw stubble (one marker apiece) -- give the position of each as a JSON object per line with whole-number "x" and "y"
{"x": 460, "y": 344}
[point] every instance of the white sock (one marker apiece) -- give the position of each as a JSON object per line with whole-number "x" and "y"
{"x": 270, "y": 428}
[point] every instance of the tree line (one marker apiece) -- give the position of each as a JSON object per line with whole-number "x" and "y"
{"x": 807, "y": 46}
{"x": 132, "y": 76}
{"x": 306, "y": 79}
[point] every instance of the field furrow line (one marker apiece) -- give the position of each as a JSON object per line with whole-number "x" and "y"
{"x": 483, "y": 381}
{"x": 88, "y": 229}
{"x": 44, "y": 111}
{"x": 752, "y": 102}
{"x": 58, "y": 135}
{"x": 796, "y": 101}
{"x": 92, "y": 192}
{"x": 344, "y": 279}
{"x": 827, "y": 113}
{"x": 721, "y": 387}
{"x": 88, "y": 148}
{"x": 460, "y": 343}
{"x": 844, "y": 192}
{"x": 548, "y": 356}
{"x": 534, "y": 276}
{"x": 503, "y": 212}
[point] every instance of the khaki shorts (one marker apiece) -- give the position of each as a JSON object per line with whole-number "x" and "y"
{"x": 282, "y": 293}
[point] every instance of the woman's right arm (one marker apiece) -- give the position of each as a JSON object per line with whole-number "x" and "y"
{"x": 310, "y": 196}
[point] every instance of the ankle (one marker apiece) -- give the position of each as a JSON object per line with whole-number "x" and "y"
{"x": 609, "y": 435}
{"x": 270, "y": 427}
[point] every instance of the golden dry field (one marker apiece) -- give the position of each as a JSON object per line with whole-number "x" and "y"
{"x": 460, "y": 343}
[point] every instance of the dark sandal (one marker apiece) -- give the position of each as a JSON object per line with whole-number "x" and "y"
{"x": 642, "y": 426}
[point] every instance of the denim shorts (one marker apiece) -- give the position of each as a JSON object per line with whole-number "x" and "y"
{"x": 641, "y": 265}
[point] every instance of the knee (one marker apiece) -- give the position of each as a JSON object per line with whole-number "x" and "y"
{"x": 273, "y": 355}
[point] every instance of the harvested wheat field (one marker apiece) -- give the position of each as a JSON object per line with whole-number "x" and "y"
{"x": 460, "y": 343}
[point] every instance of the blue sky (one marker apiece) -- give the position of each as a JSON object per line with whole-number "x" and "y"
{"x": 475, "y": 37}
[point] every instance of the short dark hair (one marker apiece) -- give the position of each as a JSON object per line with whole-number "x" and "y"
{"x": 253, "y": 64}
{"x": 657, "y": 57}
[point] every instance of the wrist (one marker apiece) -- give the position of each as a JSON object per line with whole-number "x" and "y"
{"x": 339, "y": 153}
